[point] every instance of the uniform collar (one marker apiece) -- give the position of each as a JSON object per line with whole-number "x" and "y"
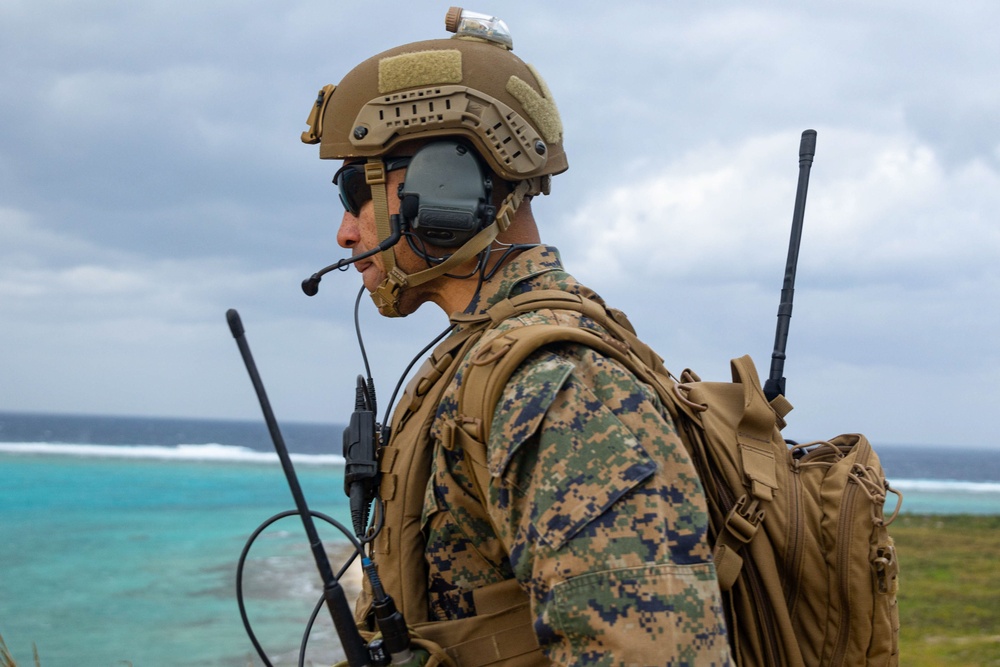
{"x": 515, "y": 277}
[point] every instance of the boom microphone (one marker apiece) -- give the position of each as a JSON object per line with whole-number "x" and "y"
{"x": 310, "y": 286}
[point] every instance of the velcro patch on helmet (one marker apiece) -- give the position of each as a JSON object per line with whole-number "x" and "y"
{"x": 541, "y": 108}
{"x": 423, "y": 68}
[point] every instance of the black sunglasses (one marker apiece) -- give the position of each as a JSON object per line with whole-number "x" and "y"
{"x": 354, "y": 190}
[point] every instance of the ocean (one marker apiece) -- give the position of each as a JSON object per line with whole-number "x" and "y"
{"x": 119, "y": 537}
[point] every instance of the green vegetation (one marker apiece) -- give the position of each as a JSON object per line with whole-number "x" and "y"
{"x": 7, "y": 660}
{"x": 949, "y": 590}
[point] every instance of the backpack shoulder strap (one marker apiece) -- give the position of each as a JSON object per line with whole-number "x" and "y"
{"x": 495, "y": 362}
{"x": 612, "y": 320}
{"x": 740, "y": 404}
{"x": 496, "y": 359}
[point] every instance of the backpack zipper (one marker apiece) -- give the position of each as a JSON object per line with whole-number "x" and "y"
{"x": 844, "y": 532}
{"x": 794, "y": 551}
{"x": 770, "y": 644}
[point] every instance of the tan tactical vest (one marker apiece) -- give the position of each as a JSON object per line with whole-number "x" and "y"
{"x": 501, "y": 634}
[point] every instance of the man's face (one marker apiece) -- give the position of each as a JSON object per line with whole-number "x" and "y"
{"x": 358, "y": 233}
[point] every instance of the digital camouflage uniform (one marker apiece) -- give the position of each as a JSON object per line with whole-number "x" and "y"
{"x": 585, "y": 521}
{"x": 594, "y": 505}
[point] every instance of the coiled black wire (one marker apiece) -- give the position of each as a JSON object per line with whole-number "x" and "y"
{"x": 358, "y": 551}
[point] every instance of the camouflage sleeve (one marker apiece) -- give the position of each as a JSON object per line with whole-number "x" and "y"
{"x": 603, "y": 516}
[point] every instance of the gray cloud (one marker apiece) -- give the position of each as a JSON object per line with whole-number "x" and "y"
{"x": 151, "y": 177}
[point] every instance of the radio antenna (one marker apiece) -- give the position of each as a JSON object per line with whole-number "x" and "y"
{"x": 336, "y": 601}
{"x": 775, "y": 385}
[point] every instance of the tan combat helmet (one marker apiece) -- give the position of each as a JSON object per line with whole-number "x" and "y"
{"x": 470, "y": 87}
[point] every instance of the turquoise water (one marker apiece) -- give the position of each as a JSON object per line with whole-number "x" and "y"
{"x": 119, "y": 537}
{"x": 111, "y": 560}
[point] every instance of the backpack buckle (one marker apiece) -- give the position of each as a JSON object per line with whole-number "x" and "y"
{"x": 738, "y": 529}
{"x": 744, "y": 519}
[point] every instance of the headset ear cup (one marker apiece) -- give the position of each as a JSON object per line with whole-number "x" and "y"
{"x": 446, "y": 194}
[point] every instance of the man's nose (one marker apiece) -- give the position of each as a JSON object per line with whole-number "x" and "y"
{"x": 348, "y": 235}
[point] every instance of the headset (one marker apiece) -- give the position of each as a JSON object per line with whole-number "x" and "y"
{"x": 446, "y": 198}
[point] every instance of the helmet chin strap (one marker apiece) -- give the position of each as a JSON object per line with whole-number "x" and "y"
{"x": 375, "y": 177}
{"x": 387, "y": 295}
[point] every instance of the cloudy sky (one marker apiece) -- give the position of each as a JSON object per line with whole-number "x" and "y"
{"x": 151, "y": 176}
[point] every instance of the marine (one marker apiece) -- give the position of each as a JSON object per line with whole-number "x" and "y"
{"x": 573, "y": 530}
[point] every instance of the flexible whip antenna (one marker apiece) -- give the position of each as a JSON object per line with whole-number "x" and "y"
{"x": 336, "y": 601}
{"x": 775, "y": 385}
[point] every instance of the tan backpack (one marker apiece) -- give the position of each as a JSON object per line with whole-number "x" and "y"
{"x": 805, "y": 563}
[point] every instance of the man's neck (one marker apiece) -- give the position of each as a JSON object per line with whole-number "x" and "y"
{"x": 454, "y": 295}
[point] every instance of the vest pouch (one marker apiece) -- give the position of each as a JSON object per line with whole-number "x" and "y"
{"x": 501, "y": 634}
